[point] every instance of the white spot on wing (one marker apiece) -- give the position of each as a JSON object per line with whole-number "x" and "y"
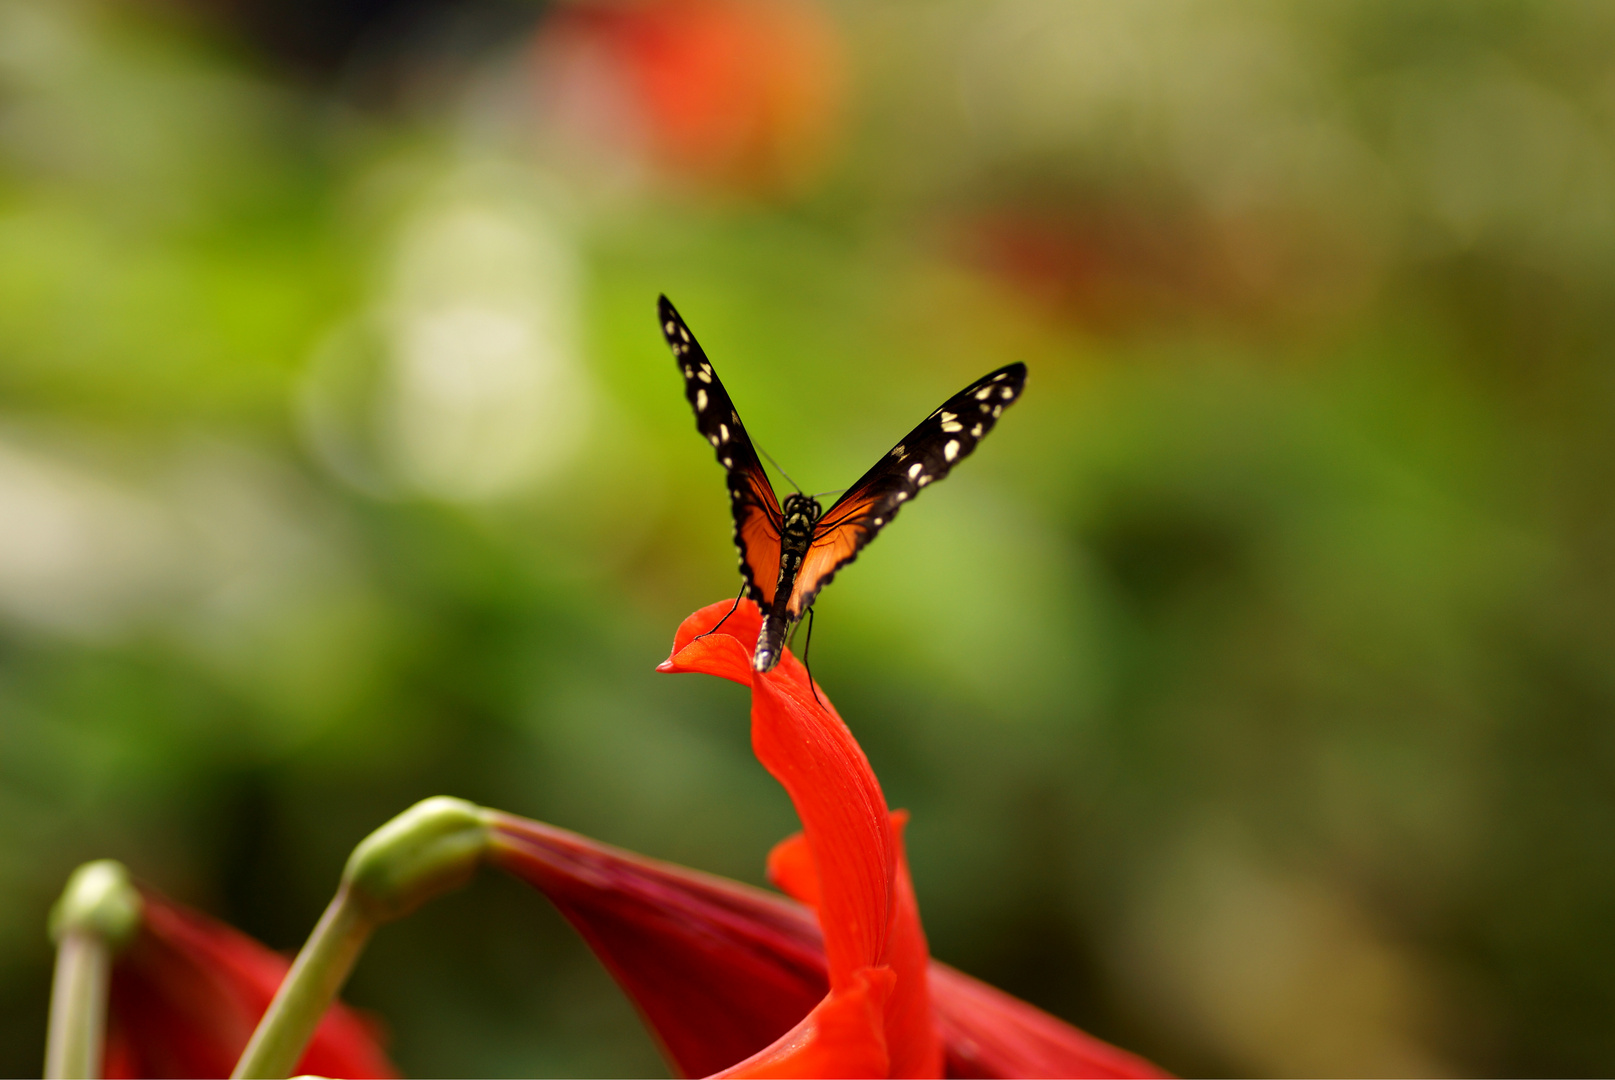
{"x": 951, "y": 450}
{"x": 877, "y": 521}
{"x": 952, "y": 426}
{"x": 897, "y": 451}
{"x": 922, "y": 481}
{"x": 984, "y": 393}
{"x": 713, "y": 439}
{"x": 728, "y": 463}
{"x": 670, "y": 327}
{"x": 901, "y": 495}
{"x": 1009, "y": 392}
{"x": 946, "y": 416}
{"x": 916, "y": 469}
{"x": 683, "y": 333}
{"x": 976, "y": 431}
{"x": 1001, "y": 375}
{"x": 998, "y": 410}
{"x": 705, "y": 374}
{"x": 700, "y": 400}
{"x": 723, "y": 432}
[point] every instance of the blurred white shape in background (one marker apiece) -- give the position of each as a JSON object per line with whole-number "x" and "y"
{"x": 463, "y": 381}
{"x": 78, "y": 554}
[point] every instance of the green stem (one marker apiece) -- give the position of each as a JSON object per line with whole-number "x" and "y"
{"x": 78, "y": 1007}
{"x": 307, "y": 991}
{"x": 431, "y": 848}
{"x": 99, "y": 912}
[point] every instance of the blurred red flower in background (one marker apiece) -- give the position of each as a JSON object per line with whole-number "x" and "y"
{"x": 738, "y": 95}
{"x": 188, "y": 991}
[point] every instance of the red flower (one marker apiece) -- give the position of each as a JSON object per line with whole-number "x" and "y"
{"x": 735, "y": 94}
{"x": 188, "y": 991}
{"x": 738, "y": 982}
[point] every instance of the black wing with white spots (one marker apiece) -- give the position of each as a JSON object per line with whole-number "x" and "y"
{"x": 926, "y": 455}
{"x": 758, "y": 520}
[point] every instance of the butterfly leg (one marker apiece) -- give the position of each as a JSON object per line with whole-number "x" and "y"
{"x": 806, "y": 645}
{"x": 726, "y": 614}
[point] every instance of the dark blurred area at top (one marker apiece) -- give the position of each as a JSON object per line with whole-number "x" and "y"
{"x": 315, "y": 41}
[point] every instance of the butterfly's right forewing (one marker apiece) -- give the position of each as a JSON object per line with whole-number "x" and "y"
{"x": 926, "y": 455}
{"x": 758, "y": 520}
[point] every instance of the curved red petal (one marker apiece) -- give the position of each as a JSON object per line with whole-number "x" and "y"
{"x": 848, "y": 862}
{"x": 911, "y": 1032}
{"x": 187, "y": 993}
{"x": 808, "y": 749}
{"x": 717, "y": 640}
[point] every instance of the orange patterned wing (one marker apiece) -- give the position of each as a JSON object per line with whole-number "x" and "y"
{"x": 926, "y": 455}
{"x": 751, "y": 497}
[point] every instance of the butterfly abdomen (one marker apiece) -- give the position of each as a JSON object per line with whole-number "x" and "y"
{"x": 801, "y": 513}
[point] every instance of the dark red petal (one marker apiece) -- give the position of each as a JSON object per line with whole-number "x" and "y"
{"x": 189, "y": 990}
{"x": 719, "y": 970}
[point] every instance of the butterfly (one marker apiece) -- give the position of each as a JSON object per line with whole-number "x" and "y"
{"x": 788, "y": 553}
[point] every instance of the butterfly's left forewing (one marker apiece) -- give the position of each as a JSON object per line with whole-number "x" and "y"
{"x": 926, "y": 455}
{"x": 758, "y": 520}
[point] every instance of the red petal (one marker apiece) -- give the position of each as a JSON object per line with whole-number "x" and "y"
{"x": 910, "y": 1030}
{"x": 847, "y": 862}
{"x": 807, "y": 748}
{"x": 188, "y": 992}
{"x": 790, "y": 868}
{"x": 717, "y": 640}
{"x": 811, "y": 753}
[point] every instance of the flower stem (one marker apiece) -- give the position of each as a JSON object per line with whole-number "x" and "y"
{"x": 307, "y": 991}
{"x": 78, "y": 1005}
{"x": 99, "y": 912}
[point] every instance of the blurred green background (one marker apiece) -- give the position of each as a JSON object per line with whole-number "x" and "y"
{"x": 1253, "y": 688}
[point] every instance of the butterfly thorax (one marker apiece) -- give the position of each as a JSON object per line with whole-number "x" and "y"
{"x": 801, "y": 514}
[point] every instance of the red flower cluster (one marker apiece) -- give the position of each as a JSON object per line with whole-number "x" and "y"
{"x": 732, "y": 980}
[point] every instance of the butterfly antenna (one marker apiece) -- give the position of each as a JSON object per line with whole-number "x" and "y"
{"x": 779, "y": 470}
{"x": 824, "y": 494}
